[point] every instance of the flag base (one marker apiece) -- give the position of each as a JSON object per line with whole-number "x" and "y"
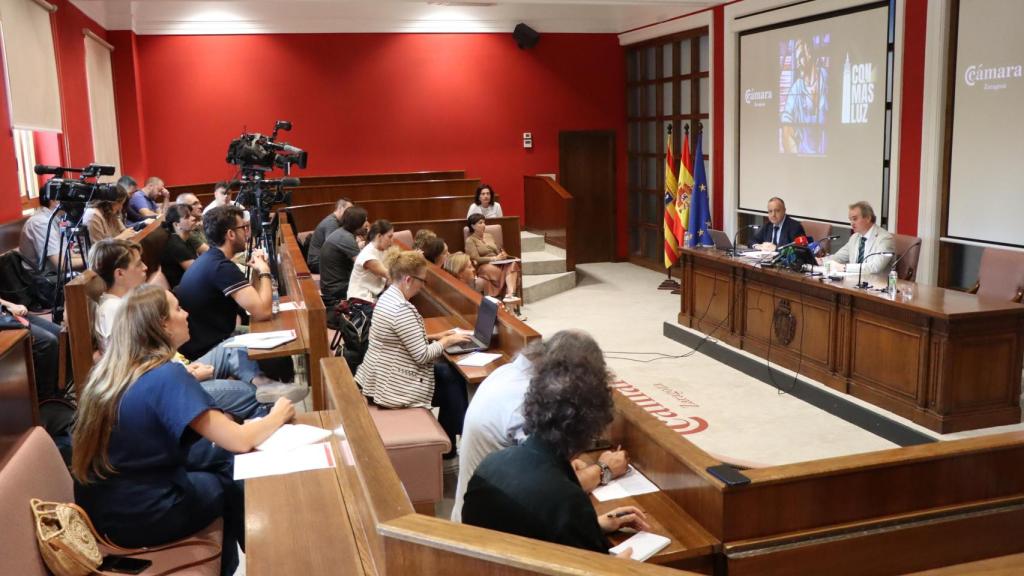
{"x": 669, "y": 284}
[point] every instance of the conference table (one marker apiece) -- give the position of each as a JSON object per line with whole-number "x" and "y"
{"x": 945, "y": 359}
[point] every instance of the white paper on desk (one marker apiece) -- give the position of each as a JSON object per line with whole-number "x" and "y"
{"x": 273, "y": 463}
{"x": 260, "y": 340}
{"x": 632, "y": 483}
{"x": 757, "y": 253}
{"x": 285, "y": 306}
{"x": 644, "y": 545}
{"x": 504, "y": 261}
{"x": 291, "y": 436}
{"x": 478, "y": 359}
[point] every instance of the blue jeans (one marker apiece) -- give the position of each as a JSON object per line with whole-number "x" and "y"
{"x": 231, "y": 363}
{"x": 236, "y": 398}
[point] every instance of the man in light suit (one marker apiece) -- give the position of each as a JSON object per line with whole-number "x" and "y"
{"x": 779, "y": 230}
{"x": 867, "y": 239}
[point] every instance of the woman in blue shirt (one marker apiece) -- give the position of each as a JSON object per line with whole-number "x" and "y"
{"x": 145, "y": 468}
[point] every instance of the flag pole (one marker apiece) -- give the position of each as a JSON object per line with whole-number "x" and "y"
{"x": 669, "y": 283}
{"x": 686, "y": 141}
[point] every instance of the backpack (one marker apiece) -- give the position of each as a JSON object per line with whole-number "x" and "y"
{"x": 351, "y": 320}
{"x": 21, "y": 286}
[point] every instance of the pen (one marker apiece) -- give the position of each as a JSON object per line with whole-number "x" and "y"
{"x": 618, "y": 514}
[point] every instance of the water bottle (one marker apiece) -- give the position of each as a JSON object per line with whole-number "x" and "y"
{"x": 893, "y": 277}
{"x": 275, "y": 299}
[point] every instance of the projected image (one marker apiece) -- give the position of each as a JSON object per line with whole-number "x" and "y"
{"x": 803, "y": 96}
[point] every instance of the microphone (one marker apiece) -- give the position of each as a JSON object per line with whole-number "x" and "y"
{"x": 905, "y": 252}
{"x": 754, "y": 227}
{"x": 860, "y": 268}
{"x": 285, "y": 125}
{"x": 42, "y": 169}
{"x": 798, "y": 241}
{"x": 816, "y": 245}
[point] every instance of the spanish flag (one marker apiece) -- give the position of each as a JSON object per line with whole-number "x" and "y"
{"x": 671, "y": 216}
{"x": 684, "y": 192}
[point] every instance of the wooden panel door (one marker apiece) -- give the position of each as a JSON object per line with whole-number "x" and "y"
{"x": 587, "y": 171}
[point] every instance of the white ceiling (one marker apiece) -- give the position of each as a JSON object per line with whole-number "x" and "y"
{"x": 311, "y": 16}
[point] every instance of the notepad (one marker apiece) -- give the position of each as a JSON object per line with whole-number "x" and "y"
{"x": 632, "y": 483}
{"x": 276, "y": 462}
{"x": 478, "y": 359}
{"x": 644, "y": 545}
{"x": 291, "y": 436}
{"x": 260, "y": 340}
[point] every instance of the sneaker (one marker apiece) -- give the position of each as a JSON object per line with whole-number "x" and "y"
{"x": 269, "y": 393}
{"x": 450, "y": 465}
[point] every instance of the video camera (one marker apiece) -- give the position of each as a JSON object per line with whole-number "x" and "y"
{"x": 77, "y": 191}
{"x": 259, "y": 152}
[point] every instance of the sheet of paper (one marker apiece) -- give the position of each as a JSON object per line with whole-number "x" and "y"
{"x": 504, "y": 261}
{"x": 291, "y": 436}
{"x": 757, "y": 254}
{"x": 632, "y": 483}
{"x": 260, "y": 340}
{"x": 644, "y": 545}
{"x": 478, "y": 359}
{"x": 284, "y": 306}
{"x": 273, "y": 463}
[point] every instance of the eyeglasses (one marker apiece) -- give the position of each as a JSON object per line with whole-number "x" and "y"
{"x": 240, "y": 227}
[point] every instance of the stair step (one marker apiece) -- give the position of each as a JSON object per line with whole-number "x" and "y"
{"x": 542, "y": 263}
{"x": 540, "y": 286}
{"x": 530, "y": 242}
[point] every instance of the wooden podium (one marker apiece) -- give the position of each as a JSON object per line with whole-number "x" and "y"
{"x": 947, "y": 360}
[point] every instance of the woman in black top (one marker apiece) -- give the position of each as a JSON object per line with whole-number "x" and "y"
{"x": 532, "y": 489}
{"x": 178, "y": 255}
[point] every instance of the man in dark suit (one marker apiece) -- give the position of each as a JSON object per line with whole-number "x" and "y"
{"x": 779, "y": 230}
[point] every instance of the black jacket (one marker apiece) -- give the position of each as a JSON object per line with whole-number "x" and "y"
{"x": 530, "y": 491}
{"x": 790, "y": 230}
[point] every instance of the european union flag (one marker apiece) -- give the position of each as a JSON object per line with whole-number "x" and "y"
{"x": 700, "y": 210}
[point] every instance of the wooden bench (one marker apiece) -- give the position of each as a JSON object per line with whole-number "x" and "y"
{"x": 375, "y": 191}
{"x": 885, "y": 512}
{"x": 451, "y": 231}
{"x": 206, "y": 189}
{"x": 393, "y": 539}
{"x": 305, "y": 217}
{"x": 19, "y": 408}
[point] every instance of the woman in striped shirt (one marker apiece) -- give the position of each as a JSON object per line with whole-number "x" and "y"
{"x": 400, "y": 369}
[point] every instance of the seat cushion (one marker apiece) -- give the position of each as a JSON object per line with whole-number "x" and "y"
{"x": 415, "y": 442}
{"x": 164, "y": 560}
{"x": 32, "y": 469}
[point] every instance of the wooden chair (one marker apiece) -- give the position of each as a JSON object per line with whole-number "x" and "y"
{"x": 818, "y": 231}
{"x": 404, "y": 236}
{"x": 1001, "y": 275}
{"x": 80, "y": 298}
{"x": 908, "y": 250}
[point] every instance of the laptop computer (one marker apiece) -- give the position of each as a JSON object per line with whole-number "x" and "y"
{"x": 486, "y": 316}
{"x": 721, "y": 239}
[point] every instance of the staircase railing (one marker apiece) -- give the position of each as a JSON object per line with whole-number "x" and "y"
{"x": 550, "y": 211}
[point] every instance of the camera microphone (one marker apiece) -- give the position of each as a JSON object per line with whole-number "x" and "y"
{"x": 285, "y": 125}
{"x": 290, "y": 182}
{"x": 42, "y": 169}
{"x": 100, "y": 169}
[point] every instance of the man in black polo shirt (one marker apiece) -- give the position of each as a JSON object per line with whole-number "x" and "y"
{"x": 214, "y": 292}
{"x": 338, "y": 255}
{"x": 329, "y": 224}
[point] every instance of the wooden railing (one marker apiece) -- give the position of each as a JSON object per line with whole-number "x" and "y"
{"x": 305, "y": 217}
{"x": 207, "y": 188}
{"x": 550, "y": 211}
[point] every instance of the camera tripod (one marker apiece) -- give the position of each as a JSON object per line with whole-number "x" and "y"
{"x": 72, "y": 235}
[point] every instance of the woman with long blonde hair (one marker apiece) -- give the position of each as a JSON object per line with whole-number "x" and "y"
{"x": 145, "y": 468}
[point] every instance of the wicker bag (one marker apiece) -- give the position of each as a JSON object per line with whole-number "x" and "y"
{"x": 69, "y": 542}
{"x": 66, "y": 538}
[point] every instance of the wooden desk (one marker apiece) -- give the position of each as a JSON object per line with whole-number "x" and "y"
{"x": 947, "y": 360}
{"x": 472, "y": 374}
{"x": 297, "y": 523}
{"x": 19, "y": 407}
{"x": 284, "y": 320}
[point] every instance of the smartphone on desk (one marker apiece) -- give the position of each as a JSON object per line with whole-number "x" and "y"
{"x": 124, "y": 564}
{"x": 729, "y": 475}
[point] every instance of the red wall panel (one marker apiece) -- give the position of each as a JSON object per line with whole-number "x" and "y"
{"x": 911, "y": 115}
{"x": 10, "y": 204}
{"x": 381, "y": 102}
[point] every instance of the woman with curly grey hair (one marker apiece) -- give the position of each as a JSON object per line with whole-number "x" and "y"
{"x": 531, "y": 489}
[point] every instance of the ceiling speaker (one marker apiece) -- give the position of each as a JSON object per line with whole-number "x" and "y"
{"x": 525, "y": 36}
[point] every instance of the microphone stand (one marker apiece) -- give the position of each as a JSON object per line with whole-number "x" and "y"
{"x": 860, "y": 268}
{"x": 905, "y": 252}
{"x": 737, "y": 235}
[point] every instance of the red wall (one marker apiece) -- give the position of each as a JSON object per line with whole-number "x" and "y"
{"x": 911, "y": 116}
{"x": 10, "y": 204}
{"x": 381, "y": 102}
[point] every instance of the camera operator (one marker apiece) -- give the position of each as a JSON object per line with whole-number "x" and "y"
{"x": 33, "y": 235}
{"x": 143, "y": 202}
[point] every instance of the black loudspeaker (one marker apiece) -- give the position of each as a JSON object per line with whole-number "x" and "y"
{"x": 525, "y": 36}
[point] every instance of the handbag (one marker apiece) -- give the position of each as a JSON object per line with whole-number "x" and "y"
{"x": 69, "y": 542}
